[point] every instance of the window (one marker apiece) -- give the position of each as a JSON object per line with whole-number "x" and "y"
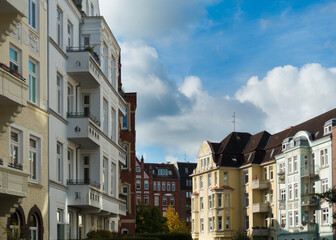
{"x": 202, "y": 224}
{"x": 70, "y": 163}
{"x": 154, "y": 185}
{"x": 272, "y": 220}
{"x": 283, "y": 194}
{"x": 70, "y": 98}
{"x": 247, "y": 222}
{"x": 210, "y": 224}
{"x": 138, "y": 169}
{"x": 265, "y": 197}
{"x": 16, "y": 148}
{"x": 146, "y": 185}
{"x": 201, "y": 182}
{"x": 216, "y": 179}
{"x": 271, "y": 196}
{"x": 138, "y": 199}
{"x": 158, "y": 186}
{"x": 59, "y": 29}
{"x": 59, "y": 80}
{"x": 226, "y": 178}
{"x": 86, "y": 41}
{"x": 219, "y": 200}
{"x": 146, "y": 198}
{"x": 14, "y": 60}
{"x": 324, "y": 185}
{"x": 290, "y": 165}
{"x": 113, "y": 125}
{"x": 325, "y": 215}
{"x": 105, "y": 171}
{"x": 172, "y": 202}
{"x": 195, "y": 184}
{"x": 283, "y": 220}
{"x": 104, "y": 59}
{"x": 59, "y": 161}
{"x": 33, "y": 82}
{"x": 210, "y": 201}
{"x": 227, "y": 200}
{"x": 296, "y": 191}
{"x": 33, "y": 227}
{"x": 173, "y": 186}
{"x": 157, "y": 200}
{"x": 163, "y": 186}
{"x": 266, "y": 220}
{"x": 295, "y": 164}
{"x": 265, "y": 173}
{"x": 209, "y": 179}
{"x": 290, "y": 192}
{"x": 291, "y": 223}
{"x": 168, "y": 186}
{"x": 246, "y": 200}
{"x": 296, "y": 218}
{"x": 32, "y": 16}
{"x": 219, "y": 220}
{"x": 34, "y": 157}
{"x": 324, "y": 157}
{"x": 188, "y": 194}
{"x": 60, "y": 225}
{"x": 125, "y": 193}
{"x": 227, "y": 223}
{"x": 201, "y": 203}
{"x": 105, "y": 118}
{"x": 245, "y": 177}
{"x": 70, "y": 34}
{"x": 271, "y": 172}
{"x": 188, "y": 182}
{"x": 138, "y": 184}
{"x": 164, "y": 201}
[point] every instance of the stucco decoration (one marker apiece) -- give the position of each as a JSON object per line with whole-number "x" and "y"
{"x": 17, "y": 32}
{"x": 34, "y": 43}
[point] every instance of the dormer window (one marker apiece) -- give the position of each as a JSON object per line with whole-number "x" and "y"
{"x": 234, "y": 158}
{"x": 327, "y": 129}
{"x": 271, "y": 155}
{"x": 249, "y": 157}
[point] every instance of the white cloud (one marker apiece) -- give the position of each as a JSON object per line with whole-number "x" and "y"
{"x": 289, "y": 95}
{"x": 171, "y": 159}
{"x": 148, "y": 18}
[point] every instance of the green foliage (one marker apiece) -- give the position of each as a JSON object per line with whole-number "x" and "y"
{"x": 167, "y": 236}
{"x": 16, "y": 235}
{"x": 101, "y": 234}
{"x": 240, "y": 235}
{"x": 330, "y": 197}
{"x": 150, "y": 220}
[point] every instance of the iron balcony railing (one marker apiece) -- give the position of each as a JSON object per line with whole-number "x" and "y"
{"x": 83, "y": 182}
{"x": 11, "y": 71}
{"x": 85, "y": 49}
{"x": 16, "y": 166}
{"x": 83, "y": 114}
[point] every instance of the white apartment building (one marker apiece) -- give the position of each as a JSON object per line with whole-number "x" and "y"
{"x": 85, "y": 108}
{"x": 305, "y": 167}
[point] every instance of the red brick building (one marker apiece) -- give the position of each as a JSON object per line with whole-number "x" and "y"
{"x": 127, "y": 182}
{"x": 157, "y": 185}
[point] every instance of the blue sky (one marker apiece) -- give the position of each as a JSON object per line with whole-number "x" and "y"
{"x": 195, "y": 62}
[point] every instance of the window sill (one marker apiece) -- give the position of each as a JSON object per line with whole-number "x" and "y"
{"x": 34, "y": 184}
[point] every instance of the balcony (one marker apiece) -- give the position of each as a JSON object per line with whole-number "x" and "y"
{"x": 13, "y": 188}
{"x": 11, "y": 13}
{"x": 309, "y": 172}
{"x": 83, "y": 182}
{"x": 282, "y": 179}
{"x": 260, "y": 207}
{"x": 85, "y": 195}
{"x": 83, "y": 66}
{"x": 281, "y": 172}
{"x": 83, "y": 129}
{"x": 309, "y": 200}
{"x": 260, "y": 184}
{"x": 13, "y": 96}
{"x": 260, "y": 231}
{"x": 309, "y": 227}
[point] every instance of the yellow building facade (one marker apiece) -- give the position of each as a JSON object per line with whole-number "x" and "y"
{"x": 23, "y": 119}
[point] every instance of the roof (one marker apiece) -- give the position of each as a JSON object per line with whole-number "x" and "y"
{"x": 240, "y": 148}
{"x": 154, "y": 167}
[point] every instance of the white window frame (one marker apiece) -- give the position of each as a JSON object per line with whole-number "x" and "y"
{"x": 324, "y": 185}
{"x": 146, "y": 185}
{"x": 271, "y": 173}
{"x": 16, "y": 62}
{"x": 59, "y": 87}
{"x": 18, "y": 145}
{"x": 59, "y": 27}
{"x": 245, "y": 177}
{"x": 59, "y": 162}
{"x": 33, "y": 14}
{"x": 37, "y": 152}
{"x": 156, "y": 200}
{"x": 173, "y": 186}
{"x": 325, "y": 216}
{"x": 69, "y": 34}
{"x": 33, "y": 76}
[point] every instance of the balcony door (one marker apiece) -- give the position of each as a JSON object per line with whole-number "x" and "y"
{"x": 86, "y": 104}
{"x": 86, "y": 168}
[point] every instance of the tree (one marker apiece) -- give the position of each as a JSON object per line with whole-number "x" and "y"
{"x": 174, "y": 223}
{"x": 149, "y": 220}
{"x": 330, "y": 197}
{"x": 240, "y": 235}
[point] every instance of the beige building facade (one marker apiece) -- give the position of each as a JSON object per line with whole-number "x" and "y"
{"x": 23, "y": 119}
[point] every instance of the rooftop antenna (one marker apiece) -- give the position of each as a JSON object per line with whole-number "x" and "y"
{"x": 234, "y": 121}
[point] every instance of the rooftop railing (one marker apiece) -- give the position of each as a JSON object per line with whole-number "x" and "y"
{"x": 85, "y": 49}
{"x": 83, "y": 114}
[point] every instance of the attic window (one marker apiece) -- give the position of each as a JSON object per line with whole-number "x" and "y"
{"x": 249, "y": 157}
{"x": 170, "y": 172}
{"x": 271, "y": 155}
{"x": 234, "y": 158}
{"x": 186, "y": 170}
{"x": 327, "y": 129}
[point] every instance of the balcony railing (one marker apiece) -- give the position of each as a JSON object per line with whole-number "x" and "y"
{"x": 260, "y": 207}
{"x": 85, "y": 49}
{"x": 260, "y": 184}
{"x": 281, "y": 172}
{"x": 83, "y": 114}
{"x": 309, "y": 171}
{"x": 14, "y": 73}
{"x": 309, "y": 200}
{"x": 260, "y": 231}
{"x": 282, "y": 204}
{"x": 83, "y": 182}
{"x": 16, "y": 166}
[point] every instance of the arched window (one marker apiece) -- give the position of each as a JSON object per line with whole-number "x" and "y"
{"x": 33, "y": 227}
{"x": 15, "y": 224}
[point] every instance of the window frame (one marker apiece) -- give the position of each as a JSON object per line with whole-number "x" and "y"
{"x": 33, "y": 75}
{"x": 37, "y": 151}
